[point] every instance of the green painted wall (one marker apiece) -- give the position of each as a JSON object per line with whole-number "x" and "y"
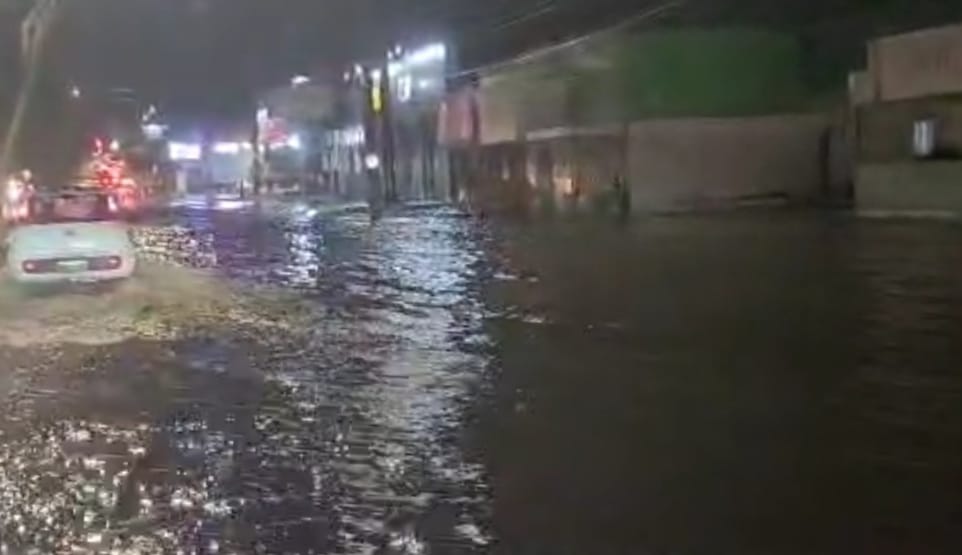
{"x": 678, "y": 73}
{"x": 711, "y": 73}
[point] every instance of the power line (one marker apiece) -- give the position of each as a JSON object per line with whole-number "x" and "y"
{"x": 531, "y": 55}
{"x": 544, "y": 8}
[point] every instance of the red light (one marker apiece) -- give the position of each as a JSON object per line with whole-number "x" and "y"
{"x": 106, "y": 263}
{"x": 30, "y": 267}
{"x": 104, "y": 179}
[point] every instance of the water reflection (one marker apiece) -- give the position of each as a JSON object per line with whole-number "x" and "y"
{"x": 341, "y": 436}
{"x": 707, "y": 385}
{"x": 394, "y": 384}
{"x": 740, "y": 384}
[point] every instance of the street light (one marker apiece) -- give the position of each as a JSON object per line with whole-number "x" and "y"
{"x": 436, "y": 52}
{"x": 294, "y": 142}
{"x": 75, "y": 92}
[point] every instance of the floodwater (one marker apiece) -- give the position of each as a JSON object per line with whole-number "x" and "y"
{"x": 432, "y": 383}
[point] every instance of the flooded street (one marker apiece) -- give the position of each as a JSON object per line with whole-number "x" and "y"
{"x": 311, "y": 382}
{"x": 322, "y": 416}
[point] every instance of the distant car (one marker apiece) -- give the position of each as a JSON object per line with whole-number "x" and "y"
{"x": 70, "y": 237}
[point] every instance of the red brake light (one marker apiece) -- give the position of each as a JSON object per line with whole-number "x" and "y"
{"x": 106, "y": 263}
{"x": 29, "y": 266}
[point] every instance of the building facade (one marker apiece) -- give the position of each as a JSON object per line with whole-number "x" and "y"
{"x": 661, "y": 113}
{"x": 907, "y": 105}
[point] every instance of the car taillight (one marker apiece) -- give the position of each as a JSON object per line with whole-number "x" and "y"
{"x": 106, "y": 263}
{"x": 38, "y": 266}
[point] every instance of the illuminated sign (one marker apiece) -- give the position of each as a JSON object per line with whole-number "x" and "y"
{"x": 184, "y": 151}
{"x": 377, "y": 94}
{"x": 226, "y": 148}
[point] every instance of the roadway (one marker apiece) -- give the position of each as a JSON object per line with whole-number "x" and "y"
{"x": 305, "y": 380}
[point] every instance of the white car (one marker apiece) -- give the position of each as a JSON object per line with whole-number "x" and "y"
{"x": 70, "y": 238}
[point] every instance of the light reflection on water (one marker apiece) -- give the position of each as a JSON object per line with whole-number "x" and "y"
{"x": 693, "y": 385}
{"x": 340, "y": 438}
{"x": 734, "y": 384}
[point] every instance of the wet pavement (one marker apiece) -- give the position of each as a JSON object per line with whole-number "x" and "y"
{"x": 313, "y": 382}
{"x": 324, "y": 421}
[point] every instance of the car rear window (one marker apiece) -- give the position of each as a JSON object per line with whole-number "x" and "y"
{"x": 68, "y": 209}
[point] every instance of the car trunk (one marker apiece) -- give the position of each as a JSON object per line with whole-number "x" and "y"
{"x": 70, "y": 240}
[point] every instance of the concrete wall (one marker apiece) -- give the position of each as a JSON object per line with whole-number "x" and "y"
{"x": 515, "y": 102}
{"x": 685, "y": 164}
{"x": 624, "y": 76}
{"x": 499, "y": 113}
{"x": 861, "y": 88}
{"x": 456, "y": 118}
{"x": 559, "y": 170}
{"x": 885, "y": 129}
{"x": 576, "y": 171}
{"x": 923, "y": 63}
{"x": 914, "y": 76}
{"x": 749, "y": 77}
{"x": 670, "y": 165}
{"x": 910, "y": 189}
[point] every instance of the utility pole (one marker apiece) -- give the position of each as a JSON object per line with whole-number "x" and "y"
{"x": 388, "y": 141}
{"x": 34, "y": 32}
{"x": 372, "y": 104}
{"x": 262, "y": 120}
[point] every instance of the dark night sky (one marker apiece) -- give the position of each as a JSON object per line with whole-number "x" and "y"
{"x": 207, "y": 56}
